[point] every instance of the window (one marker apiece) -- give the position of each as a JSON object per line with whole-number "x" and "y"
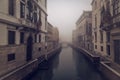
{"x": 101, "y": 48}
{"x": 116, "y": 7}
{"x": 35, "y": 15}
{"x": 11, "y": 37}
{"x": 95, "y": 20}
{"x": 35, "y": 7}
{"x": 108, "y": 36}
{"x": 11, "y": 7}
{"x": 39, "y": 49}
{"x": 95, "y": 36}
{"x": 46, "y": 38}
{"x": 101, "y": 36}
{"x": 21, "y": 37}
{"x": 95, "y": 46}
{"x": 35, "y": 38}
{"x": 22, "y": 9}
{"x": 39, "y": 38}
{"x": 117, "y": 51}
{"x": 11, "y": 56}
{"x": 46, "y": 23}
{"x": 108, "y": 49}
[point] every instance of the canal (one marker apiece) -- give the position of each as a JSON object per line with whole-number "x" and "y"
{"x": 68, "y": 65}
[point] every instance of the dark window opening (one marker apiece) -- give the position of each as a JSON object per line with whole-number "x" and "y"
{"x": 95, "y": 36}
{"x": 22, "y": 10}
{"x": 39, "y": 38}
{"x": 35, "y": 17}
{"x": 108, "y": 36}
{"x": 95, "y": 46}
{"x": 11, "y": 57}
{"x": 117, "y": 51}
{"x": 101, "y": 48}
{"x": 11, "y": 7}
{"x": 95, "y": 20}
{"x": 11, "y": 37}
{"x": 39, "y": 49}
{"x": 108, "y": 49}
{"x": 35, "y": 38}
{"x": 21, "y": 37}
{"x": 101, "y": 36}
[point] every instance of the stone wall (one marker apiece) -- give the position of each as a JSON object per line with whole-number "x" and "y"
{"x": 20, "y": 57}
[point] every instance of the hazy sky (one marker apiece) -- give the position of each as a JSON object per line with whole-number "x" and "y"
{"x": 64, "y": 14}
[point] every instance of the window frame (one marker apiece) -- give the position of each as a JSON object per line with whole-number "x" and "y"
{"x": 11, "y": 7}
{"x": 12, "y": 40}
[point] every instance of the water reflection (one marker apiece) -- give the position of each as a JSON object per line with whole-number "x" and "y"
{"x": 69, "y": 65}
{"x": 66, "y": 69}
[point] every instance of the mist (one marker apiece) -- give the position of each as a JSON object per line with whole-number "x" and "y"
{"x": 64, "y": 14}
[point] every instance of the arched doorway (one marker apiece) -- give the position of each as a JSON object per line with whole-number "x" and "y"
{"x": 29, "y": 48}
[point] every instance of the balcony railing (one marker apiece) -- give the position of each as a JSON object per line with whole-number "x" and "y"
{"x": 106, "y": 26}
{"x": 116, "y": 20}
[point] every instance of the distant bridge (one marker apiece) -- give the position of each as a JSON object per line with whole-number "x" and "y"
{"x": 65, "y": 44}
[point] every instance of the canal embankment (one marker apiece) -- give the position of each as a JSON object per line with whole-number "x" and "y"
{"x": 109, "y": 69}
{"x": 95, "y": 59}
{"x": 30, "y": 67}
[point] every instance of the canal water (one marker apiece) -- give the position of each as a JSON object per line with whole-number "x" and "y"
{"x": 69, "y": 64}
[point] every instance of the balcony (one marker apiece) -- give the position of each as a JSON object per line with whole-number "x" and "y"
{"x": 116, "y": 20}
{"x": 106, "y": 19}
{"x": 27, "y": 23}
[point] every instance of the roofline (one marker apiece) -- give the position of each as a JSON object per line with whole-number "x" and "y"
{"x": 83, "y": 15}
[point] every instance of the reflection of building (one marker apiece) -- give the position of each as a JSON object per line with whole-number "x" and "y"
{"x": 22, "y": 31}
{"x": 84, "y": 30}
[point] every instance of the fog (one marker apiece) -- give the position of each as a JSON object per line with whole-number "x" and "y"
{"x": 64, "y": 14}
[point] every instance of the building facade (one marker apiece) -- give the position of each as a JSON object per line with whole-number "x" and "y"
{"x": 52, "y": 37}
{"x": 106, "y": 30}
{"x": 55, "y": 37}
{"x": 115, "y": 32}
{"x": 49, "y": 36}
{"x": 22, "y": 32}
{"x": 84, "y": 30}
{"x": 100, "y": 36}
{"x": 74, "y": 37}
